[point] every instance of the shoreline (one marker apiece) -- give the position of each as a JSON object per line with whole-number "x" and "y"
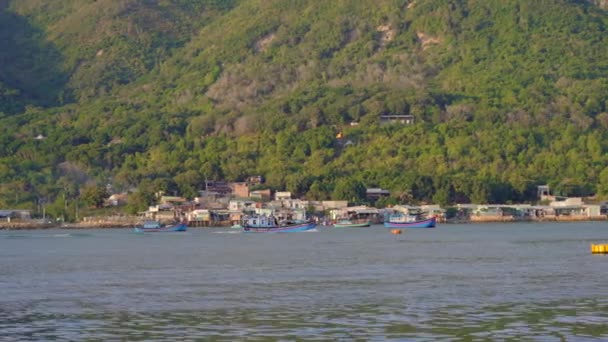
{"x": 129, "y": 225}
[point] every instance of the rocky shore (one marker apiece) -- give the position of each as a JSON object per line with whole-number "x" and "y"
{"x": 58, "y": 225}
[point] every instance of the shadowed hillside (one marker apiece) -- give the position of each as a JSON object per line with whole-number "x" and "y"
{"x": 31, "y": 71}
{"x": 109, "y": 43}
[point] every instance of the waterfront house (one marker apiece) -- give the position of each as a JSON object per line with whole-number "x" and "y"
{"x": 594, "y": 211}
{"x": 573, "y": 208}
{"x": 205, "y": 195}
{"x": 261, "y": 194}
{"x": 240, "y": 189}
{"x": 322, "y": 206}
{"x": 212, "y": 218}
{"x": 255, "y": 180}
{"x": 434, "y": 210}
{"x": 504, "y": 212}
{"x": 236, "y": 217}
{"x": 243, "y": 205}
{"x": 294, "y": 203}
{"x": 221, "y": 218}
{"x": 9, "y": 215}
{"x": 492, "y": 213}
{"x": 356, "y": 213}
{"x": 199, "y": 215}
{"x": 543, "y": 192}
{"x": 334, "y": 204}
{"x": 220, "y": 187}
{"x": 174, "y": 200}
{"x": 211, "y": 200}
{"x": 400, "y": 119}
{"x": 117, "y": 199}
{"x": 287, "y": 213}
{"x": 405, "y": 209}
{"x": 374, "y": 194}
{"x": 282, "y": 195}
{"x": 161, "y": 212}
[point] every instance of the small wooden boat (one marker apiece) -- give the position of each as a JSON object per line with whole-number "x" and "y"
{"x": 269, "y": 224}
{"x": 155, "y": 226}
{"x": 402, "y": 221}
{"x": 351, "y": 223}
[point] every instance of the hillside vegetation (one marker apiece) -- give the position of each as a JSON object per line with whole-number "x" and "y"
{"x": 161, "y": 95}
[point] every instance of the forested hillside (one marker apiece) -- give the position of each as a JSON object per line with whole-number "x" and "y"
{"x": 161, "y": 95}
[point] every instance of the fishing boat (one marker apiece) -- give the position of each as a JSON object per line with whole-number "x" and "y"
{"x": 351, "y": 223}
{"x": 155, "y": 226}
{"x": 409, "y": 221}
{"x": 269, "y": 224}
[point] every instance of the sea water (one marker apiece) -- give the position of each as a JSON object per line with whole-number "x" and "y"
{"x": 455, "y": 282}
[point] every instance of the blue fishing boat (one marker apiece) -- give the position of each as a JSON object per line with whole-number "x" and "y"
{"x": 155, "y": 226}
{"x": 269, "y": 224}
{"x": 409, "y": 221}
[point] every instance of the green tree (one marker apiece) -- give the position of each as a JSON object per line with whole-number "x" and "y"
{"x": 94, "y": 195}
{"x": 349, "y": 189}
{"x": 144, "y": 196}
{"x": 189, "y": 183}
{"x": 603, "y": 183}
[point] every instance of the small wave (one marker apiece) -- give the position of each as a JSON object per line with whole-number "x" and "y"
{"x": 16, "y": 236}
{"x": 81, "y": 234}
{"x": 229, "y": 232}
{"x": 61, "y": 235}
{"x": 76, "y": 235}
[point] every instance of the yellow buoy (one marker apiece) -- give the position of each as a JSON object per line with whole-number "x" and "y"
{"x": 599, "y": 249}
{"x": 396, "y": 231}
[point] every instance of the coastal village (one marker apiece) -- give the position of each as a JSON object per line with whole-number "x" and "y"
{"x": 224, "y": 204}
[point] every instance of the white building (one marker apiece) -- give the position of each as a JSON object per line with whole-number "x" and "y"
{"x": 242, "y": 205}
{"x": 282, "y": 195}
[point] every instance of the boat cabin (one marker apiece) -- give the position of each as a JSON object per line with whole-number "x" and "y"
{"x": 151, "y": 224}
{"x": 402, "y": 218}
{"x": 260, "y": 221}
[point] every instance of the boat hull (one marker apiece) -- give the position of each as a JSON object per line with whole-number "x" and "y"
{"x": 182, "y": 227}
{"x": 282, "y": 229}
{"x": 351, "y": 225}
{"x": 428, "y": 223}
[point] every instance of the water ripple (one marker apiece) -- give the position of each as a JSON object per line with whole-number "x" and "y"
{"x": 528, "y": 282}
{"x": 559, "y": 320}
